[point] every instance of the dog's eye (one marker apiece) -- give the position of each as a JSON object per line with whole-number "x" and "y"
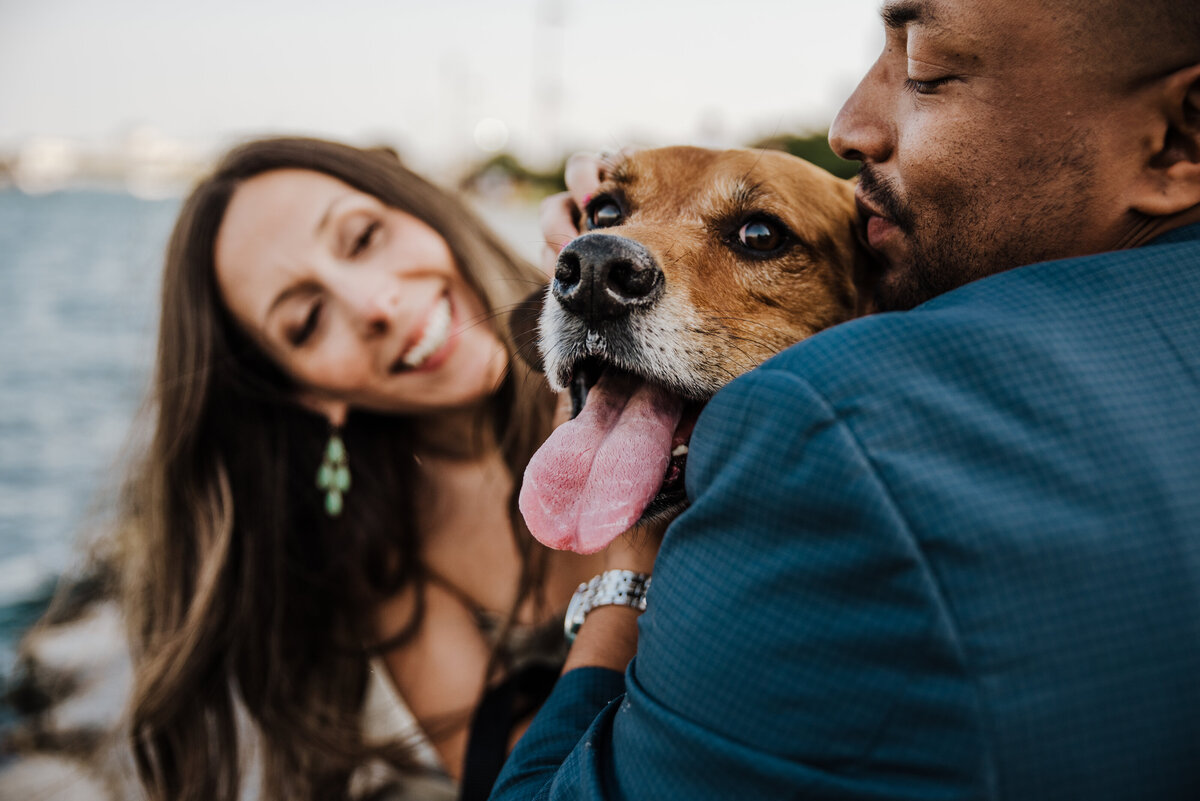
{"x": 605, "y": 214}
{"x": 760, "y": 235}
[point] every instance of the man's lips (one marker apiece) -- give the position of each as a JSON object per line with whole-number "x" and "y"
{"x": 879, "y": 226}
{"x": 879, "y": 229}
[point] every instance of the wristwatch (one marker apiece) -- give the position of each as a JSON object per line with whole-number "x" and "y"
{"x": 612, "y": 587}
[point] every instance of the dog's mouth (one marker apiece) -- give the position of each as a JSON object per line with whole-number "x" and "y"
{"x": 621, "y": 459}
{"x": 584, "y": 376}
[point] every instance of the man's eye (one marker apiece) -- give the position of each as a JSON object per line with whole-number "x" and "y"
{"x": 760, "y": 235}
{"x": 925, "y": 87}
{"x": 604, "y": 214}
{"x": 364, "y": 239}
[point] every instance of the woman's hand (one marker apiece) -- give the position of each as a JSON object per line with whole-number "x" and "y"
{"x": 560, "y": 214}
{"x": 608, "y": 637}
{"x": 559, "y": 218}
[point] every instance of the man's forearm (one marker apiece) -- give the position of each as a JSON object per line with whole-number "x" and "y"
{"x": 608, "y": 639}
{"x": 593, "y": 677}
{"x": 539, "y": 758}
{"x": 608, "y": 636}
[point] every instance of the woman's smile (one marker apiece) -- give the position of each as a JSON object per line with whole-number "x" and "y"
{"x": 365, "y": 305}
{"x": 433, "y": 343}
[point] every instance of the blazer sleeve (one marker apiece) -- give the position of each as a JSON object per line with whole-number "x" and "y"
{"x": 795, "y": 643}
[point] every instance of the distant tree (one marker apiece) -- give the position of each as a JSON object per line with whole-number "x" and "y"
{"x": 521, "y": 177}
{"x": 507, "y": 174}
{"x": 812, "y": 147}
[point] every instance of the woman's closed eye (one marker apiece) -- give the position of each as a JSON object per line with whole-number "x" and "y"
{"x": 365, "y": 237}
{"x": 302, "y": 333}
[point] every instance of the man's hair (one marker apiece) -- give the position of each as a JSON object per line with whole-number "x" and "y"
{"x": 1139, "y": 38}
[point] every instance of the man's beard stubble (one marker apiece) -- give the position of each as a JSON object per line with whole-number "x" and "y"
{"x": 937, "y": 261}
{"x": 951, "y": 243}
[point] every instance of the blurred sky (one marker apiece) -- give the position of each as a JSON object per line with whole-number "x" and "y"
{"x": 438, "y": 79}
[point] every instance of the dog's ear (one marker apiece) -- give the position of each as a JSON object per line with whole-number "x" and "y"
{"x": 523, "y": 327}
{"x": 867, "y": 270}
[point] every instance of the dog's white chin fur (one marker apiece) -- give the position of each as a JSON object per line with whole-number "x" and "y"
{"x": 564, "y": 341}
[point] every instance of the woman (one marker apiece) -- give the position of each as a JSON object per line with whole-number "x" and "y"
{"x": 327, "y": 506}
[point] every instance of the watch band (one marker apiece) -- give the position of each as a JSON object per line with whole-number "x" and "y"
{"x": 610, "y": 588}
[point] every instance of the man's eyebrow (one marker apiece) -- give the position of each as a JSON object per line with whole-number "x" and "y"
{"x": 899, "y": 14}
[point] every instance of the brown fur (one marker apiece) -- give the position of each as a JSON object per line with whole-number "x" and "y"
{"x": 723, "y": 309}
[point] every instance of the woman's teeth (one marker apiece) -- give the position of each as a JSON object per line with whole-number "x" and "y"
{"x": 436, "y": 333}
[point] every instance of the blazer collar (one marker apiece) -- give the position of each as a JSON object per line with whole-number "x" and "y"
{"x": 1185, "y": 234}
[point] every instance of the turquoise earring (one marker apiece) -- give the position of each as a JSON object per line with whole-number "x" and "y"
{"x": 333, "y": 476}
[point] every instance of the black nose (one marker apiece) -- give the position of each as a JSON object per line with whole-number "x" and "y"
{"x": 602, "y": 277}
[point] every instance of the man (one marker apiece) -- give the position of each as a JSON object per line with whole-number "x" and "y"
{"x": 952, "y": 552}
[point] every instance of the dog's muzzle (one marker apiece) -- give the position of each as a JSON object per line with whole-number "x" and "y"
{"x": 603, "y": 277}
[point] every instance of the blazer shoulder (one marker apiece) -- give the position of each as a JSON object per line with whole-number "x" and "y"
{"x": 1048, "y": 311}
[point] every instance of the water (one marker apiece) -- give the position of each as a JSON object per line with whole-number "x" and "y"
{"x": 79, "y": 281}
{"x": 79, "y": 278}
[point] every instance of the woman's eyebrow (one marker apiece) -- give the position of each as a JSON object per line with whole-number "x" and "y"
{"x": 287, "y": 294}
{"x": 328, "y": 215}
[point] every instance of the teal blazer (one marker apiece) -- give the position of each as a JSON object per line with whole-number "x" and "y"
{"x": 952, "y": 553}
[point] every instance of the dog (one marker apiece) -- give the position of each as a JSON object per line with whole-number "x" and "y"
{"x": 693, "y": 267}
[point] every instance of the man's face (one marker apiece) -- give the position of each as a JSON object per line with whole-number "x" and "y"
{"x": 988, "y": 140}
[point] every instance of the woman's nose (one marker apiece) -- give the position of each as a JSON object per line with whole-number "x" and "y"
{"x": 863, "y": 129}
{"x": 374, "y": 306}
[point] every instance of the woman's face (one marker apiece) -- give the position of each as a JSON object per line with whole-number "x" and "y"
{"x": 361, "y": 303}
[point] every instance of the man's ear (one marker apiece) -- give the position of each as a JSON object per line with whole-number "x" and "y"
{"x": 1173, "y": 172}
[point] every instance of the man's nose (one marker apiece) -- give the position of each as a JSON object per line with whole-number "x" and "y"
{"x": 863, "y": 129}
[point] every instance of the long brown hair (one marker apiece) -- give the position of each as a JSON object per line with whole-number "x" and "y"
{"x": 241, "y": 591}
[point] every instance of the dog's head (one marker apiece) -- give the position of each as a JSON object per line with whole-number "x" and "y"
{"x": 695, "y": 266}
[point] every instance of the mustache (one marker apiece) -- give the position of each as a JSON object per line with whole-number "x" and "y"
{"x": 884, "y": 195}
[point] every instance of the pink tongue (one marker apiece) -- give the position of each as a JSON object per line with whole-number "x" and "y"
{"x": 594, "y": 476}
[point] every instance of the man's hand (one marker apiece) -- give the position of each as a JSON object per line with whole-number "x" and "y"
{"x": 608, "y": 637}
{"x": 637, "y": 548}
